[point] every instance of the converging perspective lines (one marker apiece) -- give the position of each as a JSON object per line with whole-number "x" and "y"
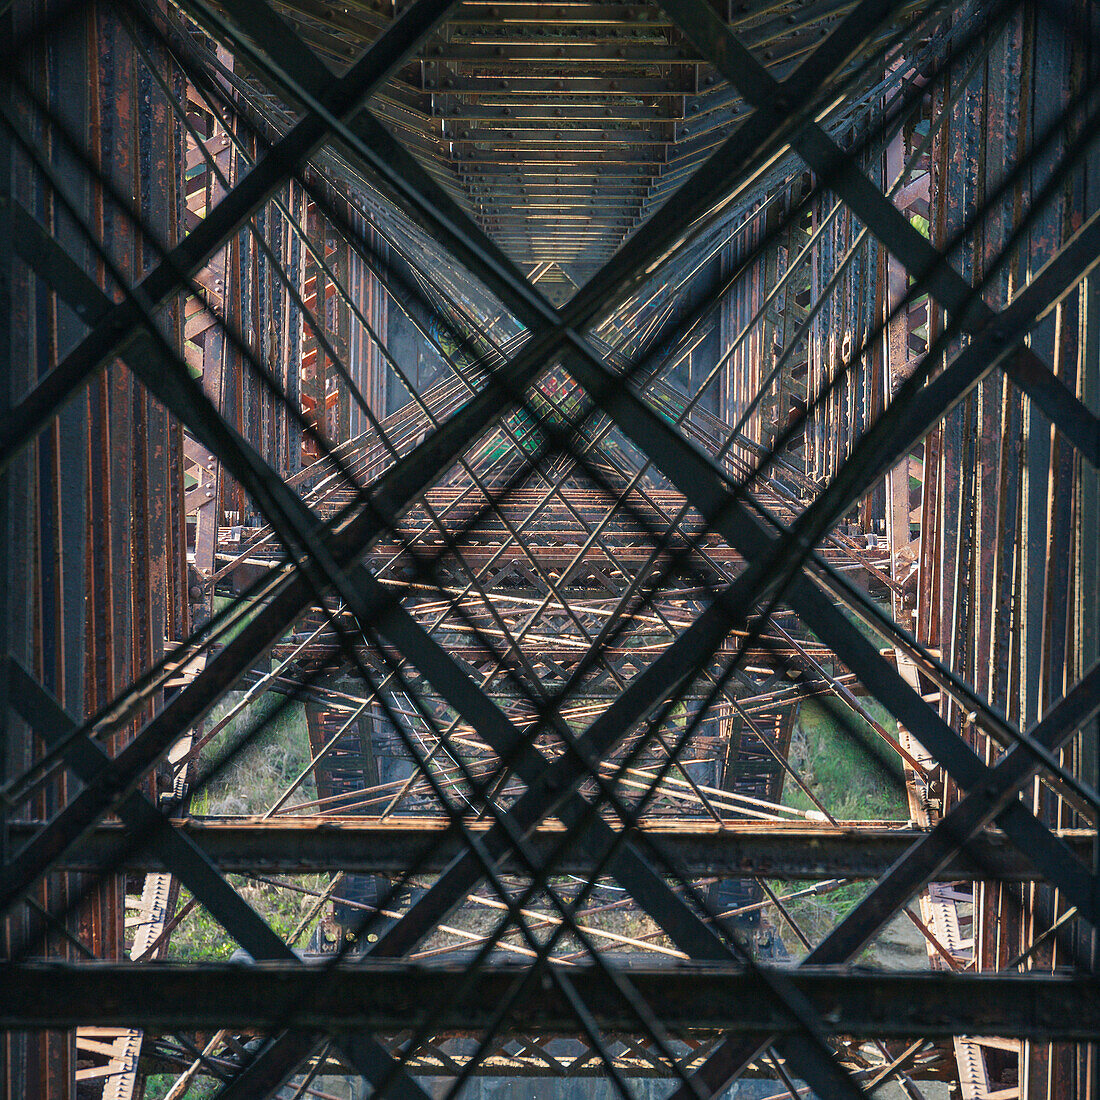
{"x": 550, "y": 550}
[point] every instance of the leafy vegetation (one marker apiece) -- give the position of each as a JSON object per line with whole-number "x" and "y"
{"x": 857, "y": 777}
{"x": 158, "y": 1084}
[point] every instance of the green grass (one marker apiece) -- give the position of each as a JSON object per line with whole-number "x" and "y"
{"x": 254, "y": 607}
{"x": 848, "y": 766}
{"x": 816, "y": 914}
{"x": 200, "y": 938}
{"x": 255, "y": 778}
{"x": 250, "y": 784}
{"x": 855, "y": 774}
{"x": 857, "y": 777}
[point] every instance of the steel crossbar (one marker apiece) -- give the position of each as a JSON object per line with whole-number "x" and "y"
{"x": 692, "y": 999}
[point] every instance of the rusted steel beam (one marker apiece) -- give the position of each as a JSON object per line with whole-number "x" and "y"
{"x": 700, "y": 847}
{"x": 536, "y": 1057}
{"x": 921, "y": 260}
{"x": 829, "y": 451}
{"x": 342, "y": 98}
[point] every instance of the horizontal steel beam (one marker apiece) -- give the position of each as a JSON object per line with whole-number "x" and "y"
{"x": 699, "y": 847}
{"x": 556, "y": 53}
{"x": 586, "y": 15}
{"x": 386, "y": 996}
{"x": 454, "y": 108}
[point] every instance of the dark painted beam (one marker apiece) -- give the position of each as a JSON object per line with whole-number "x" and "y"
{"x": 685, "y": 997}
{"x": 699, "y": 848}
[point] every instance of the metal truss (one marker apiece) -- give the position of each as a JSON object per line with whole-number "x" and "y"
{"x": 436, "y": 383}
{"x": 526, "y": 1056}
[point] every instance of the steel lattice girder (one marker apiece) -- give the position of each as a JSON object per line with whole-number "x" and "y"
{"x": 696, "y": 935}
{"x": 520, "y": 298}
{"x": 113, "y": 331}
{"x": 598, "y": 382}
{"x": 525, "y": 1056}
{"x": 882, "y": 217}
{"x": 251, "y": 642}
{"x": 593, "y": 378}
{"x": 371, "y": 604}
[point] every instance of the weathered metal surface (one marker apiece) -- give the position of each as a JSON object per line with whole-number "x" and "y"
{"x": 304, "y": 844}
{"x": 552, "y": 1058}
{"x": 565, "y": 594}
{"x": 95, "y": 572}
{"x": 691, "y": 998}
